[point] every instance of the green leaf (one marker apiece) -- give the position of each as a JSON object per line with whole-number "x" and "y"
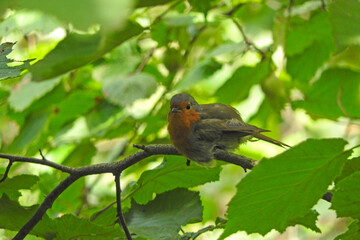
{"x": 73, "y": 106}
{"x": 26, "y": 93}
{"x": 30, "y": 132}
{"x": 27, "y": 21}
{"x": 284, "y": 188}
{"x": 10, "y": 71}
{"x": 172, "y": 173}
{"x": 201, "y": 71}
{"x": 125, "y": 90}
{"x": 349, "y": 58}
{"x": 81, "y": 156}
{"x": 351, "y": 166}
{"x": 345, "y": 16}
{"x": 71, "y": 227}
{"x": 334, "y": 95}
{"x": 11, "y": 185}
{"x": 237, "y": 88}
{"x": 77, "y": 50}
{"x": 308, "y": 220}
{"x": 352, "y": 233}
{"x": 163, "y": 217}
{"x": 303, "y": 33}
{"x": 84, "y": 13}
{"x": 346, "y": 197}
{"x": 310, "y": 60}
{"x": 13, "y": 217}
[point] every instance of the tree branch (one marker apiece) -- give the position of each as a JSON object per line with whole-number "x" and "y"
{"x": 7, "y": 170}
{"x": 37, "y": 161}
{"x": 121, "y": 219}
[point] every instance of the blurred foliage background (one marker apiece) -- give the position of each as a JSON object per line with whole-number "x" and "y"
{"x": 84, "y": 80}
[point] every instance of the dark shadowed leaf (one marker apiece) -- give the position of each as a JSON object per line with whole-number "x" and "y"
{"x": 13, "y": 217}
{"x": 11, "y": 185}
{"x": 163, "y": 217}
{"x": 172, "y": 173}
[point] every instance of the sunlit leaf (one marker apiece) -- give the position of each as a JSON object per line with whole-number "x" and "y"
{"x": 344, "y": 16}
{"x": 77, "y": 50}
{"x": 21, "y": 97}
{"x": 7, "y": 71}
{"x": 237, "y": 88}
{"x": 351, "y": 166}
{"x": 346, "y": 197}
{"x": 335, "y": 94}
{"x": 284, "y": 188}
{"x": 125, "y": 90}
{"x": 84, "y": 13}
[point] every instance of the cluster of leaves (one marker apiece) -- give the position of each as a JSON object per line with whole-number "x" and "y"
{"x": 83, "y": 102}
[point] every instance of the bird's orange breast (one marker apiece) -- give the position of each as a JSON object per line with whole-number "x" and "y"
{"x": 180, "y": 128}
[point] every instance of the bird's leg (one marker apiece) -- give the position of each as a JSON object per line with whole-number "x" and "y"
{"x": 187, "y": 162}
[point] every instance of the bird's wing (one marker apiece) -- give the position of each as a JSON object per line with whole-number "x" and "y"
{"x": 218, "y": 111}
{"x": 212, "y": 129}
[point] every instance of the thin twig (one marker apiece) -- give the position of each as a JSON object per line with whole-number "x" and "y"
{"x": 234, "y": 9}
{"x": 338, "y": 101}
{"x": 120, "y": 215}
{"x": 248, "y": 42}
{"x": 193, "y": 40}
{"x": 291, "y": 4}
{"x": 323, "y": 5}
{"x": 38, "y": 161}
{"x": 7, "y": 170}
{"x": 158, "y": 18}
{"x": 101, "y": 211}
{"x": 41, "y": 154}
{"x": 145, "y": 60}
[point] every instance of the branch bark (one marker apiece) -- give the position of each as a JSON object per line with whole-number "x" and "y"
{"x": 120, "y": 215}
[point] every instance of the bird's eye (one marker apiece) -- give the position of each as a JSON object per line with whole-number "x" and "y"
{"x": 188, "y": 106}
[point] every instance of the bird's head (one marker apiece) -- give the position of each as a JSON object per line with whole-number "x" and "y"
{"x": 182, "y": 103}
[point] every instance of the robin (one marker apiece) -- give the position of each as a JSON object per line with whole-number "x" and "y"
{"x": 197, "y": 130}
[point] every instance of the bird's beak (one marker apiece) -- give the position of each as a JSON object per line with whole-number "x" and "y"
{"x": 175, "y": 110}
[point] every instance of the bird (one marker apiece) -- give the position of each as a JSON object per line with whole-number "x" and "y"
{"x": 198, "y": 130}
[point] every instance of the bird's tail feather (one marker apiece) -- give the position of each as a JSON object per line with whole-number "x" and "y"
{"x": 270, "y": 140}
